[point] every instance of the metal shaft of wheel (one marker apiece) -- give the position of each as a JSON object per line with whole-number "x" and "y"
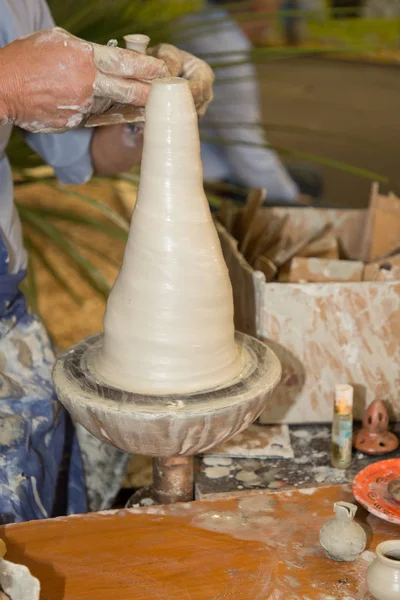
{"x": 173, "y": 479}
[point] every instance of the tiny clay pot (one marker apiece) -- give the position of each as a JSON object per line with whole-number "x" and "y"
{"x": 374, "y": 437}
{"x": 383, "y": 574}
{"x": 342, "y": 538}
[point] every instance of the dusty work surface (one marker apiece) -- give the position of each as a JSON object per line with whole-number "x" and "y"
{"x": 254, "y": 548}
{"x": 311, "y": 465}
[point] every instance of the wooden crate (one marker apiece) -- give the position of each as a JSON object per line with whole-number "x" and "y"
{"x": 323, "y": 333}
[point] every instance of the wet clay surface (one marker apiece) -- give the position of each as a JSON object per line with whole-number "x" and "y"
{"x": 259, "y": 547}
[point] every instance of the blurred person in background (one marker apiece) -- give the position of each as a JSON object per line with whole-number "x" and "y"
{"x": 375, "y": 9}
{"x": 231, "y": 152}
{"x": 50, "y": 82}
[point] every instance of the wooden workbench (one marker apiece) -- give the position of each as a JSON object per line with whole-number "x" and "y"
{"x": 256, "y": 547}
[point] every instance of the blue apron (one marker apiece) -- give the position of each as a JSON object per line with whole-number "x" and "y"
{"x": 41, "y": 470}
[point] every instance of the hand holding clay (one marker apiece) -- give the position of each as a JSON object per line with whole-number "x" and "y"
{"x": 51, "y": 80}
{"x": 198, "y": 73}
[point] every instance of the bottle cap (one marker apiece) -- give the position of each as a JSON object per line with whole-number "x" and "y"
{"x": 343, "y": 399}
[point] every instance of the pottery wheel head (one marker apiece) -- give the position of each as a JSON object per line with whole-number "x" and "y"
{"x": 165, "y": 425}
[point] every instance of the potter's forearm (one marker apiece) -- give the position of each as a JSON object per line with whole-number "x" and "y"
{"x": 115, "y": 149}
{"x": 5, "y": 87}
{"x": 3, "y": 108}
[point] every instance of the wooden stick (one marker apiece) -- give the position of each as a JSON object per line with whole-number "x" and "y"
{"x": 267, "y": 267}
{"x": 254, "y": 201}
{"x": 268, "y": 240}
{"x": 285, "y": 254}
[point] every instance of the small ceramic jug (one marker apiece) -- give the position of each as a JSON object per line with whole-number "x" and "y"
{"x": 383, "y": 574}
{"x": 342, "y": 538}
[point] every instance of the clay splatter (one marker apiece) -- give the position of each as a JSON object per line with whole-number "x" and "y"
{"x": 217, "y": 472}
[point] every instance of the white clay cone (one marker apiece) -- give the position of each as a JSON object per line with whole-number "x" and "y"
{"x": 168, "y": 327}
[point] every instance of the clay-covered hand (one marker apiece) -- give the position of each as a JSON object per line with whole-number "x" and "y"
{"x": 51, "y": 80}
{"x": 198, "y": 73}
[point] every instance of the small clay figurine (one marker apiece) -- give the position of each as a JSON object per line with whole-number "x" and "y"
{"x": 374, "y": 437}
{"x": 342, "y": 538}
{"x": 394, "y": 489}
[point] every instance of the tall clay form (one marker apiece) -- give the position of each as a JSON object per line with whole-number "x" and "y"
{"x": 168, "y": 327}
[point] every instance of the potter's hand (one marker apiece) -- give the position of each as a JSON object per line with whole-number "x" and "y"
{"x": 198, "y": 73}
{"x": 51, "y": 81}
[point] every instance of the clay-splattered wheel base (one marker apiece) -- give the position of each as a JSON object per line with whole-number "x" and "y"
{"x": 165, "y": 425}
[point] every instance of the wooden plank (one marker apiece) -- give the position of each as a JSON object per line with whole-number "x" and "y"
{"x": 382, "y": 229}
{"x": 247, "y": 214}
{"x": 241, "y": 276}
{"x": 386, "y": 233}
{"x": 252, "y": 226}
{"x": 387, "y": 269}
{"x": 251, "y": 548}
{"x": 260, "y": 228}
{"x": 369, "y": 223}
{"x": 267, "y": 267}
{"x": 116, "y": 115}
{"x": 289, "y": 248}
{"x": 269, "y": 239}
{"x": 324, "y": 270}
{"x": 326, "y": 246}
{"x": 226, "y": 214}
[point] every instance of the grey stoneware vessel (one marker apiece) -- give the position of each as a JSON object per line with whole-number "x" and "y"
{"x": 342, "y": 538}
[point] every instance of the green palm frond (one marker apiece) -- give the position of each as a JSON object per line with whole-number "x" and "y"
{"x": 55, "y": 236}
{"x": 29, "y": 287}
{"x": 76, "y": 218}
{"x": 108, "y": 212}
{"x": 36, "y": 249}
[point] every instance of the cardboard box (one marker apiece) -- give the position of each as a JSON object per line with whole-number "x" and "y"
{"x": 323, "y": 333}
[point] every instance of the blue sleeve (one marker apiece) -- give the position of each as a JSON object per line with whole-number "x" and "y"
{"x": 68, "y": 153}
{"x": 42, "y": 15}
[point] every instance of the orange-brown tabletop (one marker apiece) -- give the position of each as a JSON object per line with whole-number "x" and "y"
{"x": 258, "y": 547}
